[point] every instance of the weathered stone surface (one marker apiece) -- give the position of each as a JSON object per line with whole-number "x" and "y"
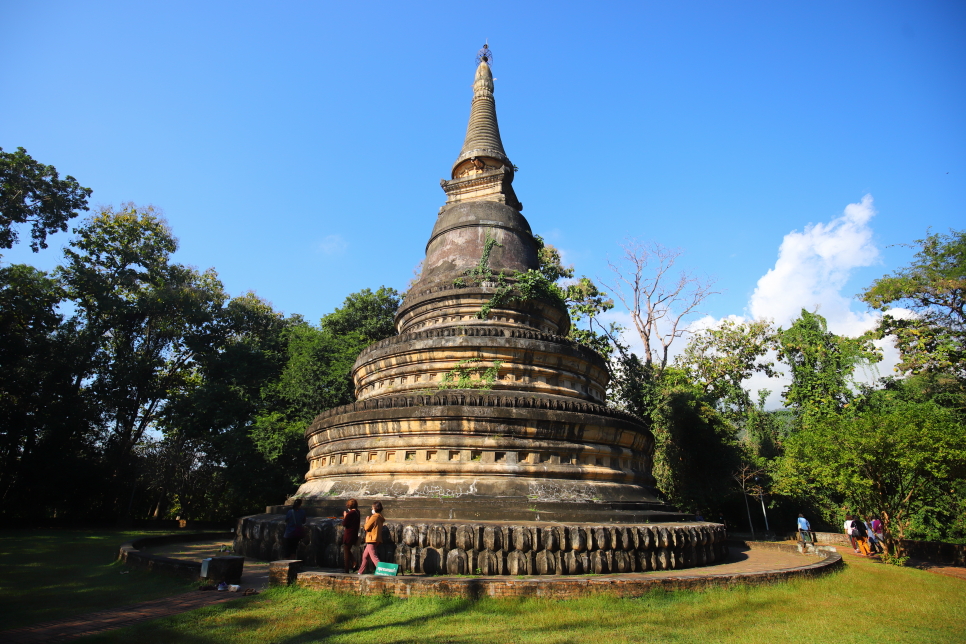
{"x": 623, "y": 562}
{"x": 571, "y": 563}
{"x": 493, "y": 538}
{"x": 469, "y": 537}
{"x": 520, "y": 563}
{"x": 403, "y": 557}
{"x": 647, "y": 534}
{"x": 457, "y": 562}
{"x": 542, "y": 430}
{"x": 577, "y": 538}
{"x": 543, "y": 547}
{"x": 410, "y": 536}
{"x": 598, "y": 563}
{"x": 547, "y": 563}
{"x": 601, "y": 538}
{"x": 432, "y": 561}
{"x": 644, "y": 560}
{"x": 492, "y": 562}
{"x": 522, "y": 538}
{"x": 663, "y": 559}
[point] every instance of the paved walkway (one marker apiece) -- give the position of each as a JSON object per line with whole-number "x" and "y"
{"x": 254, "y": 574}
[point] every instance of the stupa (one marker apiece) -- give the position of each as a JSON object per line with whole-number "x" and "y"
{"x": 481, "y": 427}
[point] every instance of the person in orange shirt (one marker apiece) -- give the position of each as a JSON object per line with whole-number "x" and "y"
{"x": 373, "y": 528}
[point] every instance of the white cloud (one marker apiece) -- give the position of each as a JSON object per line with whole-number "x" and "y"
{"x": 811, "y": 272}
{"x": 332, "y": 245}
{"x": 812, "y": 268}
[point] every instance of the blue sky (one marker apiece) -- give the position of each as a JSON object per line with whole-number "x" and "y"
{"x": 297, "y": 147}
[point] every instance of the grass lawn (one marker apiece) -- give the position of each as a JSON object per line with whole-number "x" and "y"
{"x": 867, "y": 602}
{"x": 51, "y": 574}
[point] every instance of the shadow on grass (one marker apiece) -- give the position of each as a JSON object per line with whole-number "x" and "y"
{"x": 55, "y": 574}
{"x": 384, "y": 604}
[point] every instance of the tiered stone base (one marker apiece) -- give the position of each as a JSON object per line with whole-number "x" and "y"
{"x": 493, "y": 548}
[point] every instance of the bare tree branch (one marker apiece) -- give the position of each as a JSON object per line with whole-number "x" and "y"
{"x": 658, "y": 302}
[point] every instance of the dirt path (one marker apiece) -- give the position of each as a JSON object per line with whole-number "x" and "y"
{"x": 64, "y": 630}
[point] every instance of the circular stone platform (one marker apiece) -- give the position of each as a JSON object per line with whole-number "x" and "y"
{"x": 749, "y": 563}
{"x": 501, "y": 548}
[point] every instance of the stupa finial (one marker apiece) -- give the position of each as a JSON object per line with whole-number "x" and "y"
{"x": 482, "y": 141}
{"x": 484, "y": 55}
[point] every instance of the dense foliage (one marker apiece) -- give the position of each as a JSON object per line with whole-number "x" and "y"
{"x": 895, "y": 449}
{"x": 33, "y": 193}
{"x": 134, "y": 386}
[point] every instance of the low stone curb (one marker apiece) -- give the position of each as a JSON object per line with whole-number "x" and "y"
{"x": 130, "y": 553}
{"x": 563, "y": 587}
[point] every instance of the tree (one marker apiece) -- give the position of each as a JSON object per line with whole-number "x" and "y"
{"x": 141, "y": 319}
{"x": 821, "y": 365}
{"x": 371, "y": 315}
{"x": 34, "y": 193}
{"x": 889, "y": 459}
{"x": 720, "y": 358}
{"x": 658, "y": 301}
{"x": 207, "y": 422}
{"x": 42, "y": 416}
{"x": 317, "y": 373}
{"x": 695, "y": 447}
{"x": 933, "y": 286}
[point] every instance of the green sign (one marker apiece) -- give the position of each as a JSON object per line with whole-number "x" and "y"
{"x": 387, "y": 569}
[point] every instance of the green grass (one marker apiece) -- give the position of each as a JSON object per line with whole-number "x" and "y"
{"x": 52, "y": 574}
{"x": 867, "y": 602}
{"x": 47, "y": 575}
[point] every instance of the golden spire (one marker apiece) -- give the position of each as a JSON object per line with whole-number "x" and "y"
{"x": 483, "y": 132}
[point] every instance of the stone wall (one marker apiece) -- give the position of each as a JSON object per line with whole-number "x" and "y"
{"x": 561, "y": 587}
{"x": 948, "y": 554}
{"x": 130, "y": 553}
{"x": 450, "y": 548}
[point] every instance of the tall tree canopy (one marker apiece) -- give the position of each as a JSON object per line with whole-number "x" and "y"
{"x": 31, "y": 192}
{"x": 933, "y": 286}
{"x": 821, "y": 364}
{"x": 887, "y": 459}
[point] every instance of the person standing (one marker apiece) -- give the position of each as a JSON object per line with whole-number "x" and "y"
{"x": 373, "y": 528}
{"x": 858, "y": 532}
{"x": 863, "y": 537}
{"x": 350, "y": 533}
{"x": 804, "y": 530}
{"x": 294, "y": 529}
{"x": 874, "y": 544}
{"x": 850, "y": 532}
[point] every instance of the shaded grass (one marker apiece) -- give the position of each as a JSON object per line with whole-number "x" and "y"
{"x": 52, "y": 574}
{"x": 865, "y": 602}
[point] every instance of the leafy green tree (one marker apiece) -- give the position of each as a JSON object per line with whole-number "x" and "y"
{"x": 370, "y": 315}
{"x": 140, "y": 319}
{"x": 206, "y": 423}
{"x": 933, "y": 286}
{"x": 34, "y": 193}
{"x": 696, "y": 448}
{"x": 890, "y": 459}
{"x": 720, "y": 358}
{"x": 317, "y": 373}
{"x": 43, "y": 431}
{"x": 821, "y": 365}
{"x": 583, "y": 299}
